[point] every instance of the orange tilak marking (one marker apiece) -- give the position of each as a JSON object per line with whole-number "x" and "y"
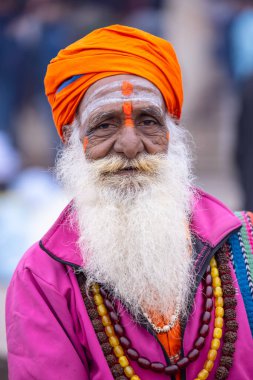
{"x": 127, "y": 88}
{"x": 127, "y": 109}
{"x": 129, "y": 123}
{"x": 85, "y": 143}
{"x": 168, "y": 136}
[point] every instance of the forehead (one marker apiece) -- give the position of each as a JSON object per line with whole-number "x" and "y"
{"x": 110, "y": 91}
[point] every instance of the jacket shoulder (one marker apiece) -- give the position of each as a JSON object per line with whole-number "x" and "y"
{"x": 41, "y": 266}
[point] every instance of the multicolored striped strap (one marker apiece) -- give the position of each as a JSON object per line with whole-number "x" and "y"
{"x": 241, "y": 244}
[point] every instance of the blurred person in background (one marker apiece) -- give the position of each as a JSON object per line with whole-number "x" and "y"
{"x": 32, "y": 32}
{"x": 143, "y": 276}
{"x": 240, "y": 50}
{"x": 11, "y": 57}
{"x": 244, "y": 140}
{"x": 234, "y": 48}
{"x": 39, "y": 32}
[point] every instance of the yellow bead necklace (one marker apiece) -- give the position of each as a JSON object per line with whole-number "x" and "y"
{"x": 117, "y": 347}
{"x": 110, "y": 332}
{"x": 218, "y": 323}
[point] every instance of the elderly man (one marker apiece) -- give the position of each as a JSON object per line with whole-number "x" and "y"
{"x": 143, "y": 276}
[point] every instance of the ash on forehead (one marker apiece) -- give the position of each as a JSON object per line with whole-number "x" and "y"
{"x": 152, "y": 101}
{"x": 117, "y": 92}
{"x": 138, "y": 85}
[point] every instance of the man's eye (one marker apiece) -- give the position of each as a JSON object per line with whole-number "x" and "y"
{"x": 104, "y": 126}
{"x": 148, "y": 122}
{"x": 104, "y": 129}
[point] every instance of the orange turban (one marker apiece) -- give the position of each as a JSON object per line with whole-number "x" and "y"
{"x": 112, "y": 50}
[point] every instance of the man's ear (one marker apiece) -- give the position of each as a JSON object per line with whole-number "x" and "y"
{"x": 66, "y": 133}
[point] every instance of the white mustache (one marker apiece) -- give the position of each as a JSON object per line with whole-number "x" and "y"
{"x": 145, "y": 163}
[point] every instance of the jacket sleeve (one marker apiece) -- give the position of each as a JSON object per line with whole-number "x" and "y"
{"x": 41, "y": 340}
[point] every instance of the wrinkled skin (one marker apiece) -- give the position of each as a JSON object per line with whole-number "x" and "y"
{"x": 105, "y": 128}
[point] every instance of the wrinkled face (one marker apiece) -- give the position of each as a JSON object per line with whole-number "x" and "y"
{"x": 132, "y": 195}
{"x": 123, "y": 114}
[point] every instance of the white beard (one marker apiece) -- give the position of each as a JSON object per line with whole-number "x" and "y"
{"x": 134, "y": 234}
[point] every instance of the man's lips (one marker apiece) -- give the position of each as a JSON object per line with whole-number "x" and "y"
{"x": 124, "y": 171}
{"x": 127, "y": 171}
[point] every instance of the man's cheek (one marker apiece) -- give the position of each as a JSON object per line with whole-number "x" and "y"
{"x": 160, "y": 142}
{"x": 163, "y": 143}
{"x": 97, "y": 148}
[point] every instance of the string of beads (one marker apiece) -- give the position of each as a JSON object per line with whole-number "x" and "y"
{"x": 230, "y": 303}
{"x": 218, "y": 322}
{"x": 117, "y": 338}
{"x": 165, "y": 328}
{"x": 227, "y": 301}
{"x": 118, "y": 349}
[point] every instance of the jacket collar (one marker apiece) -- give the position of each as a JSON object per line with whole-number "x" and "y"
{"x": 211, "y": 223}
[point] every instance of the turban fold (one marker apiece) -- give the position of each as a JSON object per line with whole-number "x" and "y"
{"x": 113, "y": 50}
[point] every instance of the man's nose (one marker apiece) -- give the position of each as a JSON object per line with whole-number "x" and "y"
{"x": 129, "y": 142}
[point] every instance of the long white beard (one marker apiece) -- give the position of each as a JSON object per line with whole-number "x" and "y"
{"x": 134, "y": 235}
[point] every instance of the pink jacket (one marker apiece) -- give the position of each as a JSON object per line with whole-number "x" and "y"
{"x": 50, "y": 335}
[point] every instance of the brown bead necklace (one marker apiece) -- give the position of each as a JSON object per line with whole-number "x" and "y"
{"x": 118, "y": 348}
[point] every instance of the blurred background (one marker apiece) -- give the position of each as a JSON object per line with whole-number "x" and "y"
{"x": 213, "y": 40}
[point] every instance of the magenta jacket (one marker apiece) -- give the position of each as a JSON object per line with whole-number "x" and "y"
{"x": 50, "y": 335}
